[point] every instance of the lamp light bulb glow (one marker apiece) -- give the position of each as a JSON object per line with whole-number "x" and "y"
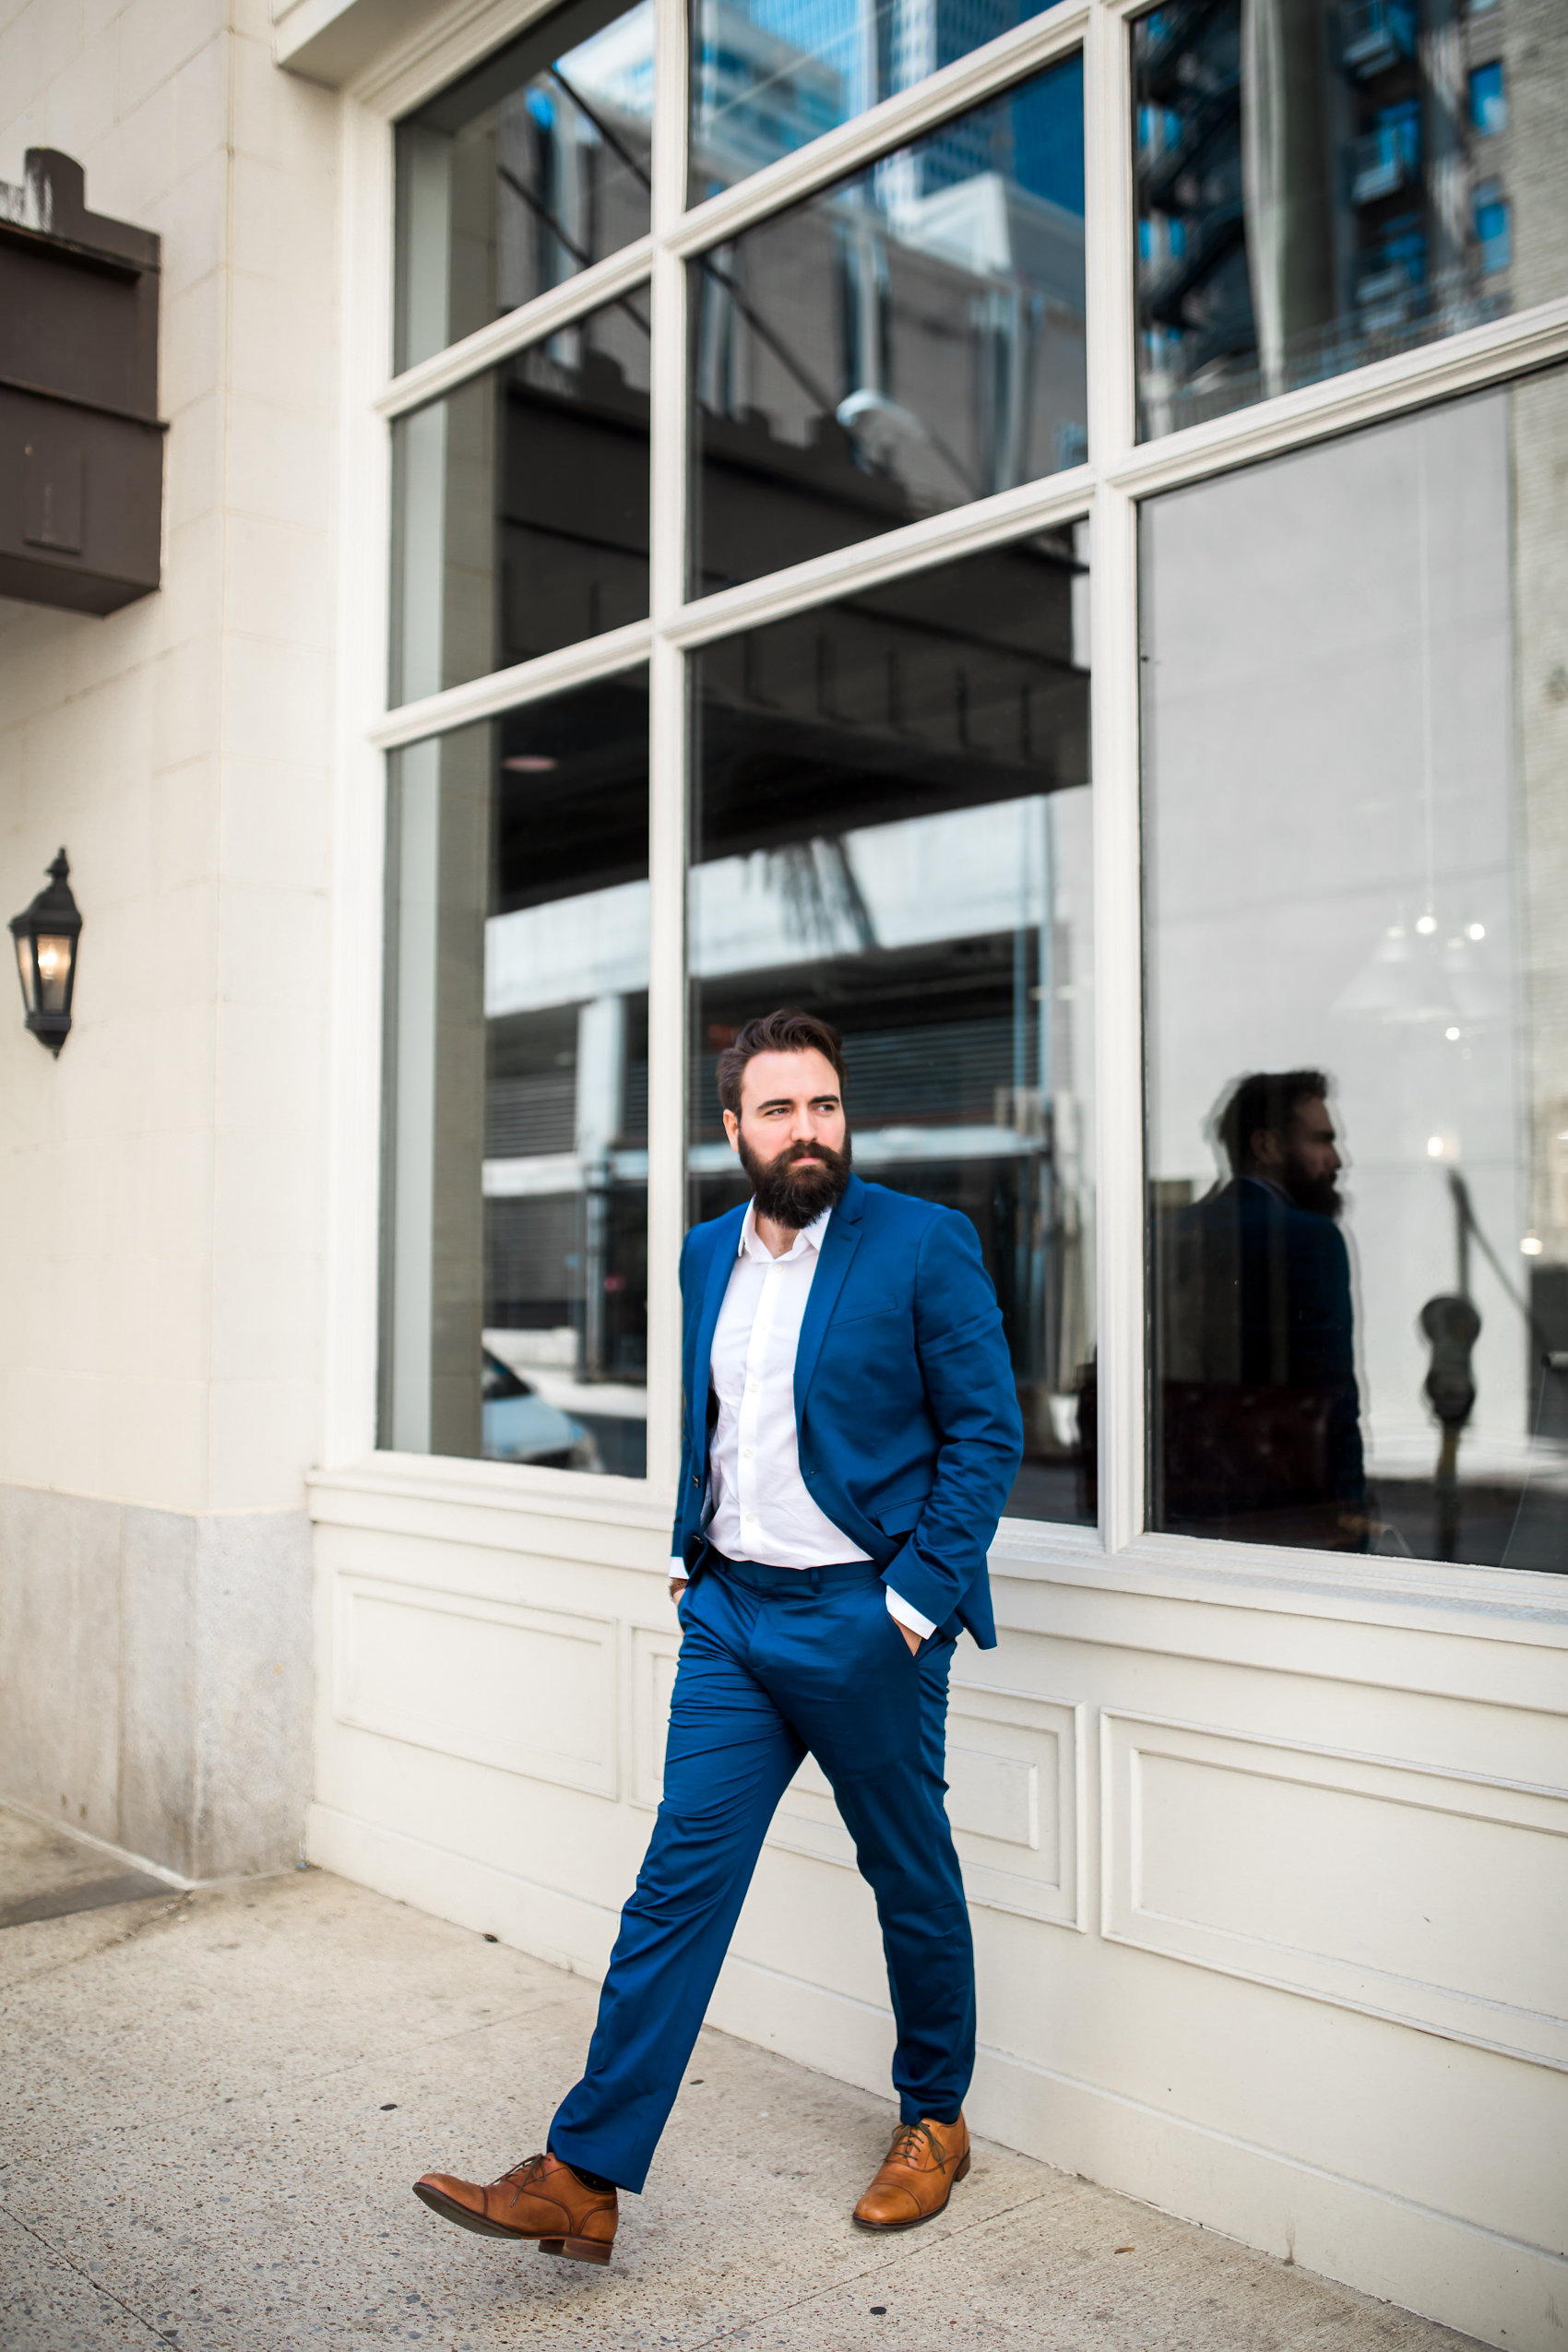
{"x": 1451, "y": 1035}
{"x": 1475, "y": 931}
{"x": 1426, "y": 925}
{"x": 1531, "y": 1245}
{"x": 1434, "y": 1146}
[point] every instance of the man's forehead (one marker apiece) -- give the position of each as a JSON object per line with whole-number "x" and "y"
{"x": 770, "y": 1076}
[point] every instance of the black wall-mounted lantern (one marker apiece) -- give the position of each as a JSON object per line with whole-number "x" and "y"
{"x": 46, "y": 957}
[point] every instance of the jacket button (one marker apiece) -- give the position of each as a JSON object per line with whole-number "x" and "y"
{"x": 696, "y": 1481}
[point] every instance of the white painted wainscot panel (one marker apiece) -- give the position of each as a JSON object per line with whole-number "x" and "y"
{"x": 1358, "y": 1879}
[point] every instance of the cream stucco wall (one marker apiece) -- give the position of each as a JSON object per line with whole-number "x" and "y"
{"x": 162, "y": 1187}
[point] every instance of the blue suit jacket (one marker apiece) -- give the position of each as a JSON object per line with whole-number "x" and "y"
{"x": 906, "y": 1412}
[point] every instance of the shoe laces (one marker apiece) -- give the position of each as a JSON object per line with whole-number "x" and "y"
{"x": 523, "y": 2176}
{"x": 908, "y": 2148}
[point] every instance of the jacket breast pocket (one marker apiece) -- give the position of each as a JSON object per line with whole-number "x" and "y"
{"x": 867, "y": 1309}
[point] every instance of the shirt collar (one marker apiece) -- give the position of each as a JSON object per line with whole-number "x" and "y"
{"x": 752, "y": 1246}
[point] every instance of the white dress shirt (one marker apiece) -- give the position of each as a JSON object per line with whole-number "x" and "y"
{"x": 759, "y": 1506}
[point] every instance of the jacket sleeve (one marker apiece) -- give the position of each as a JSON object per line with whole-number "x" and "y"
{"x": 676, "y": 1546}
{"x": 973, "y": 1402}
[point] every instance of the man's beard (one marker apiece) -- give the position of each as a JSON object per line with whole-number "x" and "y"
{"x": 791, "y": 1196}
{"x": 1319, "y": 1194}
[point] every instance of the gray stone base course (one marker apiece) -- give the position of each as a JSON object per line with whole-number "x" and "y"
{"x": 155, "y": 1678}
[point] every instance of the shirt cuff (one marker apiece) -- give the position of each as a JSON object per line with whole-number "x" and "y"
{"x": 900, "y": 1608}
{"x": 678, "y": 1568}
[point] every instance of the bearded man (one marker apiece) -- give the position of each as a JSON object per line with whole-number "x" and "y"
{"x": 851, "y": 1433}
{"x": 1259, "y": 1409}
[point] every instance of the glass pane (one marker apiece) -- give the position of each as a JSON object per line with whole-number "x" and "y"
{"x": 522, "y": 173}
{"x": 894, "y": 830}
{"x": 1322, "y": 183}
{"x": 54, "y": 955}
{"x": 520, "y": 506}
{"x": 515, "y": 1234}
{"x": 769, "y": 76}
{"x": 1356, "y": 742}
{"x": 906, "y": 341}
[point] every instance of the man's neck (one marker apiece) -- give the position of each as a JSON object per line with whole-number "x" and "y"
{"x": 778, "y": 1239}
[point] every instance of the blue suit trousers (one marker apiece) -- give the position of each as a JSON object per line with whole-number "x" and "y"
{"x": 776, "y": 1662}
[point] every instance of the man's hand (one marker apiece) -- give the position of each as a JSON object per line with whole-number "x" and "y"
{"x": 677, "y": 1587}
{"x": 909, "y": 1635}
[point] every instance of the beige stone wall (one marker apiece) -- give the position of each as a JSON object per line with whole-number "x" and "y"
{"x": 161, "y": 1188}
{"x": 164, "y": 1185}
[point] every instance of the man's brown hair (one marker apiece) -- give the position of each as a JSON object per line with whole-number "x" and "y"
{"x": 786, "y": 1032}
{"x": 1268, "y": 1098}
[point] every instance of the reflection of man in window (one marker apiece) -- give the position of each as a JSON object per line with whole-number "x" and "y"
{"x": 1260, "y": 1419}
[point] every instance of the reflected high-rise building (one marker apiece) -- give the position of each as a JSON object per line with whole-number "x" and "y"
{"x": 1318, "y": 186}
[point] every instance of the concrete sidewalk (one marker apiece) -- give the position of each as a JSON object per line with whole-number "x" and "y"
{"x": 212, "y": 2106}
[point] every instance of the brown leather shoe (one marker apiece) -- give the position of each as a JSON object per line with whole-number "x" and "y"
{"x": 542, "y": 2199}
{"x": 917, "y": 2175}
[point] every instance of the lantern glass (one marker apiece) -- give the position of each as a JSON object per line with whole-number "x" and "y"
{"x": 24, "y": 969}
{"x": 54, "y": 971}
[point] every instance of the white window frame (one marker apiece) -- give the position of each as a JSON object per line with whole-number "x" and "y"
{"x": 1106, "y": 489}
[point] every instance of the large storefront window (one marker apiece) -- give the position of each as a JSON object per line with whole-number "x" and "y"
{"x": 1356, "y": 769}
{"x": 740, "y": 600}
{"x": 1322, "y": 183}
{"x": 516, "y": 1237}
{"x": 894, "y": 830}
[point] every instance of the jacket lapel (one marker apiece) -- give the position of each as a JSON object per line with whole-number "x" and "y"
{"x": 839, "y": 1246}
{"x": 720, "y": 1265}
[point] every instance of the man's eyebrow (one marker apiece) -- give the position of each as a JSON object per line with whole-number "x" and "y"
{"x": 787, "y": 1101}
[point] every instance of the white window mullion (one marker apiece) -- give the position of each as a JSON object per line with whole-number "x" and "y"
{"x": 531, "y": 322}
{"x": 1113, "y": 692}
{"x": 668, "y": 753}
{"x": 1108, "y": 238}
{"x": 1113, "y": 605}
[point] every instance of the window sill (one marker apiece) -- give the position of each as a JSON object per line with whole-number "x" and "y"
{"x": 1495, "y": 1604}
{"x": 342, "y": 1496}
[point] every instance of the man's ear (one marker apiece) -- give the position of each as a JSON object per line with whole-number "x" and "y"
{"x": 732, "y": 1129}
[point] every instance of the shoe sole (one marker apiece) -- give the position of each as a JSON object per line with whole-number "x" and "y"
{"x": 572, "y": 2250}
{"x": 915, "y": 2220}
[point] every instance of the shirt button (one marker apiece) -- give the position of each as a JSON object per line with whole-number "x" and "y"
{"x": 751, "y": 1518}
{"x": 752, "y": 1385}
{"x": 748, "y": 1451}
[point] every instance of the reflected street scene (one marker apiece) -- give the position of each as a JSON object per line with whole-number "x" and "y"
{"x": 516, "y": 1234}
{"x": 768, "y": 76}
{"x": 891, "y": 826}
{"x": 1354, "y": 723}
{"x": 908, "y": 339}
{"x": 893, "y": 831}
